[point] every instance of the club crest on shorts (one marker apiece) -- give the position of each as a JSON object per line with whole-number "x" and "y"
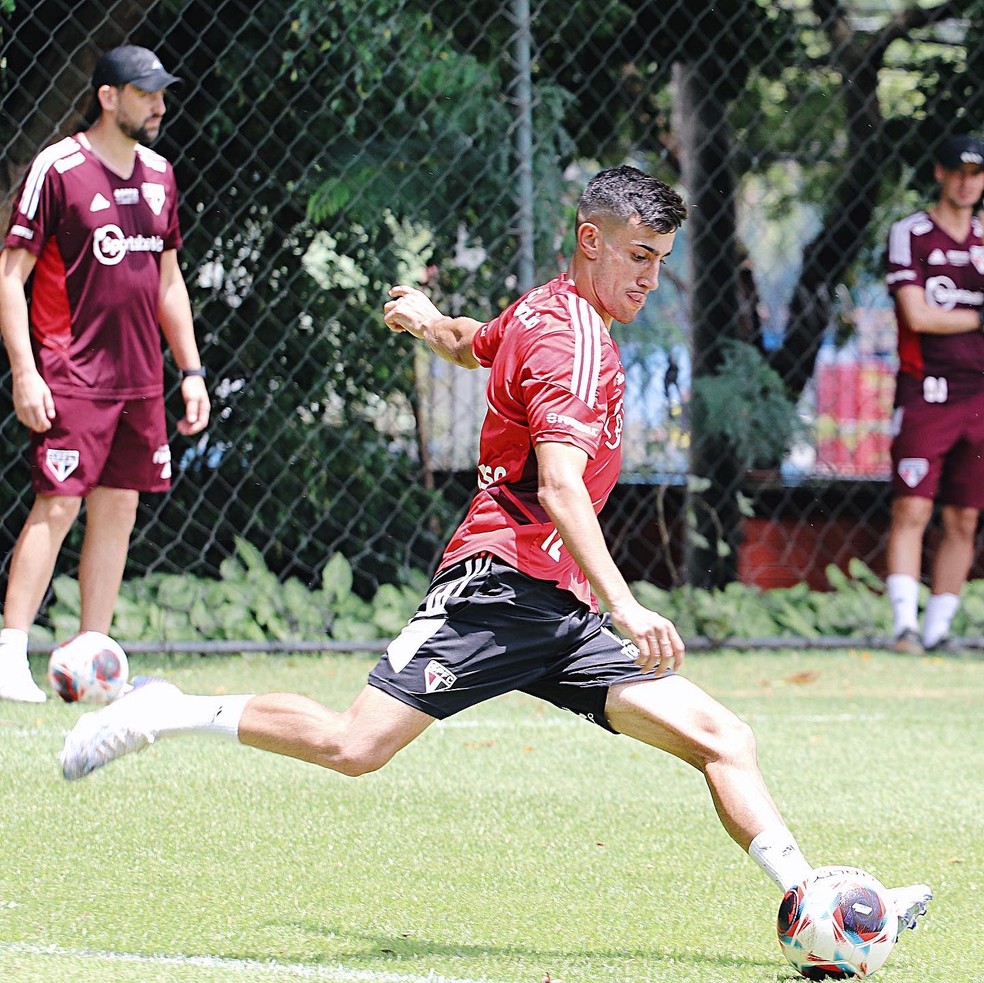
{"x": 912, "y": 470}
{"x": 61, "y": 463}
{"x": 438, "y": 677}
{"x": 162, "y": 456}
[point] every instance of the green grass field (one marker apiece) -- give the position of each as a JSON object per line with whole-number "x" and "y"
{"x": 513, "y": 844}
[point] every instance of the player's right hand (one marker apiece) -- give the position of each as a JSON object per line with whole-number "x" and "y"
{"x": 33, "y": 402}
{"x": 410, "y": 310}
{"x": 657, "y": 639}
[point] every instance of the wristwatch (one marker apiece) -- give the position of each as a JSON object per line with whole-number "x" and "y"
{"x": 188, "y": 373}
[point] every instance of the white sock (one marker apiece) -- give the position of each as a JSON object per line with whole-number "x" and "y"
{"x": 903, "y": 592}
{"x": 217, "y": 715}
{"x": 776, "y": 852}
{"x": 940, "y": 609}
{"x": 13, "y": 646}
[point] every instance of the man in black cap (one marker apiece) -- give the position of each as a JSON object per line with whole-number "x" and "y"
{"x": 936, "y": 279}
{"x": 96, "y": 222}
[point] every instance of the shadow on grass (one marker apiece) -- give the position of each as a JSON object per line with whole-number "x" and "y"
{"x": 378, "y": 952}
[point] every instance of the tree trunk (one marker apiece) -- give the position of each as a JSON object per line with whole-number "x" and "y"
{"x": 705, "y": 141}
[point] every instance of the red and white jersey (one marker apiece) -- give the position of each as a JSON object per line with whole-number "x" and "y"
{"x": 556, "y": 376}
{"x": 96, "y": 285}
{"x": 951, "y": 275}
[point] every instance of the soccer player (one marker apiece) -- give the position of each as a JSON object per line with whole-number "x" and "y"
{"x": 97, "y": 225}
{"x": 514, "y": 604}
{"x": 935, "y": 265}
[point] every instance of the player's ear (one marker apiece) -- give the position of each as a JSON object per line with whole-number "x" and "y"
{"x": 589, "y": 239}
{"x": 107, "y": 97}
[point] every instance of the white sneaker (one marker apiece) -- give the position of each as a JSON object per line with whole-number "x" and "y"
{"x": 16, "y": 681}
{"x": 126, "y": 725}
{"x": 910, "y": 903}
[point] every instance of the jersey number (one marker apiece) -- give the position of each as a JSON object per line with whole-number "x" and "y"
{"x": 934, "y": 389}
{"x": 552, "y": 546}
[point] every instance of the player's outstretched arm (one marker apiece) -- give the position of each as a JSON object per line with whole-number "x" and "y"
{"x": 411, "y": 310}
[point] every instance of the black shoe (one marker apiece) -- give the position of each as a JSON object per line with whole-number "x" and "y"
{"x": 908, "y": 642}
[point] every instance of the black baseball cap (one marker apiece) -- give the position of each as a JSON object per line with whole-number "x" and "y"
{"x": 956, "y": 151}
{"x": 130, "y": 63}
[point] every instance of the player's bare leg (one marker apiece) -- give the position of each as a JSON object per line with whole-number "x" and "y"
{"x": 677, "y": 716}
{"x": 109, "y": 517}
{"x": 31, "y": 566}
{"x": 354, "y": 742}
{"x": 910, "y": 516}
{"x": 955, "y": 554}
{"x": 951, "y": 567}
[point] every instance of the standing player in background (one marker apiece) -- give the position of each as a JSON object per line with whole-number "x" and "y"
{"x": 97, "y": 225}
{"x": 936, "y": 278}
{"x": 514, "y": 604}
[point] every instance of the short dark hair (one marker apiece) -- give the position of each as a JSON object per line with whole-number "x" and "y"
{"x": 626, "y": 192}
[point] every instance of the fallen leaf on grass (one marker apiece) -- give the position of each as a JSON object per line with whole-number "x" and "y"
{"x": 802, "y": 678}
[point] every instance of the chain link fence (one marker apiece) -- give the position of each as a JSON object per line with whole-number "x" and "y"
{"x": 327, "y": 150}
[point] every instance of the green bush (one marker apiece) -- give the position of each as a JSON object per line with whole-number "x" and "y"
{"x": 249, "y": 603}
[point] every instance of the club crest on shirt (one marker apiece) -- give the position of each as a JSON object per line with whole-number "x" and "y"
{"x": 912, "y": 470}
{"x": 61, "y": 463}
{"x": 153, "y": 194}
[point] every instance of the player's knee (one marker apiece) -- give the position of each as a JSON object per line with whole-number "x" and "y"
{"x": 57, "y": 511}
{"x": 731, "y": 740}
{"x": 356, "y": 760}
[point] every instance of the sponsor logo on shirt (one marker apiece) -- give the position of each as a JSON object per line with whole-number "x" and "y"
{"x": 569, "y": 421}
{"x": 126, "y": 196}
{"x": 61, "y": 463}
{"x": 943, "y": 293}
{"x": 109, "y": 245}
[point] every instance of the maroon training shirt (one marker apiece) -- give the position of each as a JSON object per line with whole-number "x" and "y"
{"x": 951, "y": 274}
{"x": 96, "y": 286}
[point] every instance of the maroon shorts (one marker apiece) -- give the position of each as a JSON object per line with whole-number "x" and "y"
{"x": 114, "y": 443}
{"x": 938, "y": 451}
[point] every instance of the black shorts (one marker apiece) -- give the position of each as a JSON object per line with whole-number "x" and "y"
{"x": 485, "y": 629}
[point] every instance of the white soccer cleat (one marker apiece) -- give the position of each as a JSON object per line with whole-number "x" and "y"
{"x": 17, "y": 683}
{"x": 910, "y": 903}
{"x": 125, "y": 726}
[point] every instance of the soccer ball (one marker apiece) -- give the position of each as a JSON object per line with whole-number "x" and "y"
{"x": 836, "y": 925}
{"x": 89, "y": 668}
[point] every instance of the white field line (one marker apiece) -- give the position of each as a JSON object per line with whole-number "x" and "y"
{"x": 252, "y": 967}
